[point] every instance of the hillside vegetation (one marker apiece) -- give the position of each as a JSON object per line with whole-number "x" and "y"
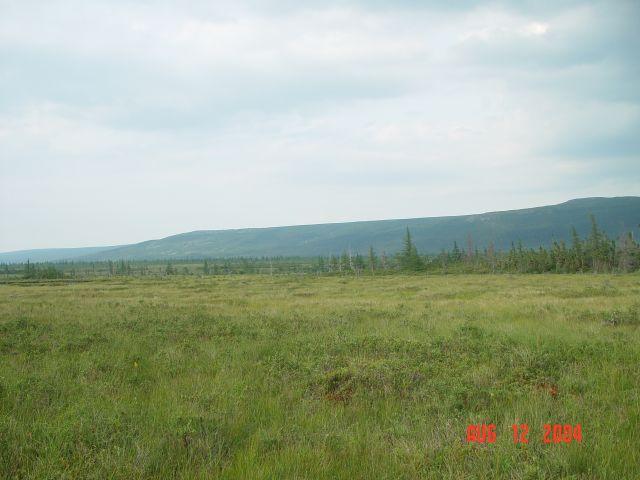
{"x": 597, "y": 253}
{"x": 533, "y": 227}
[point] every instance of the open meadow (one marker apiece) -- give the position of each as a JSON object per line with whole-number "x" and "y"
{"x": 251, "y": 377}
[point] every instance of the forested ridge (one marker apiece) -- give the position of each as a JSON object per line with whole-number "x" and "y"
{"x": 533, "y": 227}
{"x": 597, "y": 253}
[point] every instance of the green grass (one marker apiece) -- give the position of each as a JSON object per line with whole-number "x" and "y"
{"x": 285, "y": 377}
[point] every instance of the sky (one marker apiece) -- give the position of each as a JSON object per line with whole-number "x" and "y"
{"x": 123, "y": 121}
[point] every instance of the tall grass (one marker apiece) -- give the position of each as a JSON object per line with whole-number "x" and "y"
{"x": 282, "y": 377}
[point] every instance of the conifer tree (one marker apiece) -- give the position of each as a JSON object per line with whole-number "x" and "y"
{"x": 334, "y": 264}
{"x": 491, "y": 256}
{"x": 372, "y": 259}
{"x": 345, "y": 262}
{"x": 594, "y": 243}
{"x": 383, "y": 260}
{"x": 456, "y": 254}
{"x": 409, "y": 258}
{"x": 627, "y": 253}
{"x": 577, "y": 251}
{"x": 170, "y": 270}
{"x": 358, "y": 264}
{"x": 469, "y": 247}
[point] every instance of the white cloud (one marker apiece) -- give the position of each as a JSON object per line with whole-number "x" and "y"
{"x": 536, "y": 28}
{"x": 135, "y": 120}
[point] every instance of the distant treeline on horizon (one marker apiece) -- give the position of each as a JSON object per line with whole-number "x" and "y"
{"x": 596, "y": 253}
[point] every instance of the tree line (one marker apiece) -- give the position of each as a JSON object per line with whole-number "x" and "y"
{"x": 596, "y": 253}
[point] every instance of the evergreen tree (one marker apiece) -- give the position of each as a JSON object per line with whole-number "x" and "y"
{"x": 444, "y": 259}
{"x": 334, "y": 264}
{"x": 456, "y": 253}
{"x": 469, "y": 247}
{"x": 627, "y": 253}
{"x": 491, "y": 257}
{"x": 521, "y": 261}
{"x": 384, "y": 261}
{"x": 409, "y": 258}
{"x": 245, "y": 267}
{"x": 358, "y": 264}
{"x": 345, "y": 262}
{"x": 597, "y": 247}
{"x": 372, "y": 259}
{"x": 559, "y": 255}
{"x": 512, "y": 259}
{"x": 577, "y": 251}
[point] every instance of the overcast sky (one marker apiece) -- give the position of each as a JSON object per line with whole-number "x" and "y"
{"x": 122, "y": 121}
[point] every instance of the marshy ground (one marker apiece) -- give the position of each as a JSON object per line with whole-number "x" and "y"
{"x": 319, "y": 377}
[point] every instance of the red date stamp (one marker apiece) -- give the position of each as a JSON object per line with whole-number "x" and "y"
{"x": 552, "y": 433}
{"x": 559, "y": 433}
{"x": 481, "y": 433}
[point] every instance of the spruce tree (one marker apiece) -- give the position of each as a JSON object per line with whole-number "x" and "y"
{"x": 358, "y": 264}
{"x": 594, "y": 243}
{"x": 345, "y": 263}
{"x": 409, "y": 258}
{"x": 577, "y": 251}
{"x": 334, "y": 264}
{"x": 169, "y": 270}
{"x": 372, "y": 259}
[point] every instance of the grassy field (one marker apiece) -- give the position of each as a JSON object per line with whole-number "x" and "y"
{"x": 303, "y": 377}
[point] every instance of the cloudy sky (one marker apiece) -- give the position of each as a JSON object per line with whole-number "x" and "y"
{"x": 122, "y": 121}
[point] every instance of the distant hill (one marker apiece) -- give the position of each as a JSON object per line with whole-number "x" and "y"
{"x": 49, "y": 254}
{"x": 533, "y": 226}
